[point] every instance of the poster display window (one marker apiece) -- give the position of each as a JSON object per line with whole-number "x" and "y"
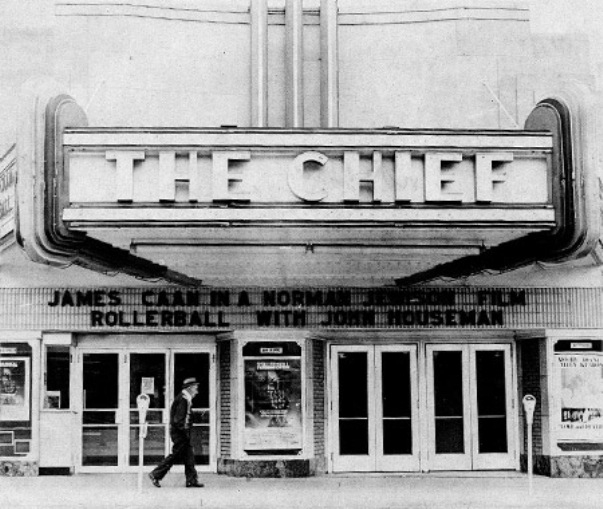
{"x": 273, "y": 398}
{"x": 14, "y": 389}
{"x": 579, "y": 366}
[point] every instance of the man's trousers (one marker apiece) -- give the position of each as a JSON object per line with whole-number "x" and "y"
{"x": 182, "y": 449}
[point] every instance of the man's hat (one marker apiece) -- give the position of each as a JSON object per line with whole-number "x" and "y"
{"x": 189, "y": 381}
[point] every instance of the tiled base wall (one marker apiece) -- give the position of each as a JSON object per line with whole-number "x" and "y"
{"x": 18, "y": 468}
{"x": 271, "y": 468}
{"x": 566, "y": 466}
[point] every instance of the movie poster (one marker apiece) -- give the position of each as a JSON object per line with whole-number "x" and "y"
{"x": 581, "y": 397}
{"x": 14, "y": 389}
{"x": 273, "y": 419}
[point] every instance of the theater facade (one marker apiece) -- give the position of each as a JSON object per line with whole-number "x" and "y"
{"x": 358, "y": 289}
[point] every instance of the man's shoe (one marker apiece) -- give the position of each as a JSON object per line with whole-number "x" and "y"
{"x": 194, "y": 484}
{"x": 154, "y": 480}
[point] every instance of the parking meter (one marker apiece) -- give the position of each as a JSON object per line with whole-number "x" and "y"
{"x": 142, "y": 402}
{"x": 529, "y": 405}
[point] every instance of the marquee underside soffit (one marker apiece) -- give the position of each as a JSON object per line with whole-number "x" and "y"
{"x": 303, "y": 256}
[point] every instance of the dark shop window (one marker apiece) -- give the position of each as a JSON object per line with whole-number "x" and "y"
{"x": 57, "y": 378}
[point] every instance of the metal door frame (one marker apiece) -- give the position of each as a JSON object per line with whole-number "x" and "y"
{"x": 126, "y": 400}
{"x": 213, "y": 450}
{"x": 78, "y": 399}
{"x": 458, "y": 461}
{"x": 122, "y": 416}
{"x": 495, "y": 461}
{"x": 472, "y": 459}
{"x": 375, "y": 460}
{"x": 351, "y": 463}
{"x": 397, "y": 463}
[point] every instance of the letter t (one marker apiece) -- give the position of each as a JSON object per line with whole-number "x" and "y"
{"x": 124, "y": 162}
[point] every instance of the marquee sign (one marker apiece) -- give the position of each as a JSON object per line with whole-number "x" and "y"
{"x": 167, "y": 177}
{"x": 204, "y": 309}
{"x": 502, "y": 198}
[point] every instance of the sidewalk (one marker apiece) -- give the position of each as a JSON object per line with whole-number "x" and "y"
{"x": 421, "y": 491}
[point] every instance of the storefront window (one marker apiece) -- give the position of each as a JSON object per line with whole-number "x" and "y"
{"x": 57, "y": 377}
{"x": 273, "y": 398}
{"x": 15, "y": 399}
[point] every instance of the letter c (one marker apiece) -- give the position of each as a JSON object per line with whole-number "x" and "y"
{"x": 295, "y": 177}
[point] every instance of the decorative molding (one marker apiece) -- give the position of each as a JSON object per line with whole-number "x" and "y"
{"x": 259, "y": 63}
{"x": 378, "y": 13}
{"x": 539, "y": 218}
{"x": 310, "y": 139}
{"x": 175, "y": 10}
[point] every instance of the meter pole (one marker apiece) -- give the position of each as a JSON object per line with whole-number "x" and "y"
{"x": 142, "y": 401}
{"x": 530, "y": 460}
{"x": 529, "y": 404}
{"x": 141, "y": 437}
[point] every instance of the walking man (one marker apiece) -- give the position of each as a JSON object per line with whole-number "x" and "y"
{"x": 180, "y": 433}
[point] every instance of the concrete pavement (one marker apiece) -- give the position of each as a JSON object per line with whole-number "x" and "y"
{"x": 421, "y": 491}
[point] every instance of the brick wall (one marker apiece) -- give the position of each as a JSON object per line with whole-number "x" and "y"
{"x": 318, "y": 372}
{"x": 224, "y": 359}
{"x": 530, "y": 383}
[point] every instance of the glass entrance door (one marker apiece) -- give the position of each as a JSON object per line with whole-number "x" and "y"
{"x": 493, "y": 420}
{"x": 448, "y": 407}
{"x": 197, "y": 364}
{"x": 101, "y": 416}
{"x": 469, "y": 407}
{"x": 397, "y": 430}
{"x": 147, "y": 375}
{"x": 110, "y": 384}
{"x": 374, "y": 411}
